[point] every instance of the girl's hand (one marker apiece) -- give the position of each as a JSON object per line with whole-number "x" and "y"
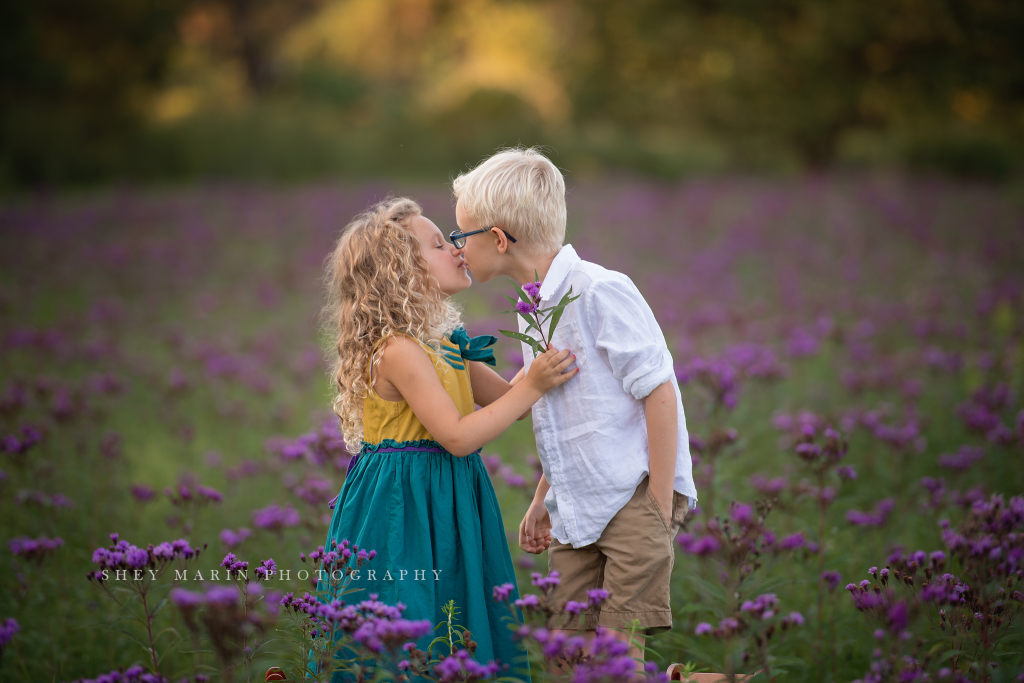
{"x": 535, "y": 529}
{"x": 548, "y": 370}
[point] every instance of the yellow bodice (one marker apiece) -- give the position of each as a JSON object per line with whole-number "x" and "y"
{"x": 395, "y": 420}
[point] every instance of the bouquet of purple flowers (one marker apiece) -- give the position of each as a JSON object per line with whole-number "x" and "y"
{"x": 528, "y": 306}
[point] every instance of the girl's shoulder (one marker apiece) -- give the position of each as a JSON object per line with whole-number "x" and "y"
{"x": 399, "y": 342}
{"x": 402, "y": 348}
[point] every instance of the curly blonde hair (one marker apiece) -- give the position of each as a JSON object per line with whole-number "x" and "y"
{"x": 377, "y": 286}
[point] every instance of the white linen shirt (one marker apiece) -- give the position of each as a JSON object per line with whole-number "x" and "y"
{"x": 591, "y": 431}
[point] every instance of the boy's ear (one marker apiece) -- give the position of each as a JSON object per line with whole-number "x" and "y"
{"x": 500, "y": 241}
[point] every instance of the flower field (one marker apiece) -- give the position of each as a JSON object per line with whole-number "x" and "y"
{"x": 851, "y": 355}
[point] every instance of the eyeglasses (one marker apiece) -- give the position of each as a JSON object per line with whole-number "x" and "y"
{"x": 459, "y": 238}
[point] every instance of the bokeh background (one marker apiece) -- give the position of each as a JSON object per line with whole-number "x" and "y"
{"x": 820, "y": 200}
{"x": 297, "y": 89}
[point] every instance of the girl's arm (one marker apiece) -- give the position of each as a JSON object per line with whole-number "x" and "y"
{"x": 407, "y": 367}
{"x": 489, "y": 386}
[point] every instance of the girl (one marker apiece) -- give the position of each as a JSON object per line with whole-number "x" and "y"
{"x": 407, "y": 378}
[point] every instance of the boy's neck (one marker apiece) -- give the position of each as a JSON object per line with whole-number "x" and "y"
{"x": 522, "y": 269}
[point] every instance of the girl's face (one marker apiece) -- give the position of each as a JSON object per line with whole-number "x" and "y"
{"x": 445, "y": 263}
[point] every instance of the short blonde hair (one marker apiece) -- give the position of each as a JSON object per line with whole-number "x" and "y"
{"x": 520, "y": 191}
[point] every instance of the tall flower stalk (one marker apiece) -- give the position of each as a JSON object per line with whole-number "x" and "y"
{"x": 137, "y": 572}
{"x": 528, "y": 307}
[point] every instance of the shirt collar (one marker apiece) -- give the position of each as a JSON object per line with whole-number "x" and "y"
{"x": 564, "y": 262}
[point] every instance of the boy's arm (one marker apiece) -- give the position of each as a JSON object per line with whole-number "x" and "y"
{"x": 624, "y": 328}
{"x": 663, "y": 441}
{"x": 535, "y": 529}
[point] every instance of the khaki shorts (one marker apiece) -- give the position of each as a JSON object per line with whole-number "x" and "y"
{"x": 632, "y": 560}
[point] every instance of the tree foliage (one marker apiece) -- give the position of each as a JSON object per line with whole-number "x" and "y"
{"x": 933, "y": 82}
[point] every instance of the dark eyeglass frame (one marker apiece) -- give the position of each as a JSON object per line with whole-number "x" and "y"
{"x": 457, "y": 236}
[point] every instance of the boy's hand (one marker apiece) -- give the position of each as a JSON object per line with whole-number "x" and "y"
{"x": 548, "y": 370}
{"x": 535, "y": 529}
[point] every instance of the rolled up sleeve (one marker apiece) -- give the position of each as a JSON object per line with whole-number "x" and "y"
{"x": 625, "y": 329}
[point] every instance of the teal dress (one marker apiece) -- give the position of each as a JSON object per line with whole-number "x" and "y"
{"x": 432, "y": 518}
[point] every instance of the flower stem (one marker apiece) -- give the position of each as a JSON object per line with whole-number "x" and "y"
{"x": 149, "y": 630}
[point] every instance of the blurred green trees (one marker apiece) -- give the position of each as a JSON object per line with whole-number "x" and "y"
{"x": 292, "y": 89}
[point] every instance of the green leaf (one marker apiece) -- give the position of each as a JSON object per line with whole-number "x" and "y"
{"x": 519, "y": 291}
{"x": 557, "y": 314}
{"x": 520, "y": 336}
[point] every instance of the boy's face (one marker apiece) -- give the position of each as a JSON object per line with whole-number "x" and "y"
{"x": 483, "y": 251}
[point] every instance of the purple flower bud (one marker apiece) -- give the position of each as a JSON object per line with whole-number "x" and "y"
{"x": 525, "y": 308}
{"x": 743, "y": 515}
{"x": 266, "y": 569}
{"x": 573, "y": 607}
{"x": 793, "y": 542}
{"x": 275, "y": 518}
{"x": 186, "y": 599}
{"x": 545, "y": 582}
{"x": 528, "y": 601}
{"x": 596, "y": 596}
{"x": 831, "y": 579}
{"x": 8, "y": 628}
{"x": 702, "y": 628}
{"x": 501, "y": 593}
{"x": 846, "y": 473}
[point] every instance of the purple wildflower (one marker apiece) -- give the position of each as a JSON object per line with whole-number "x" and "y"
{"x": 963, "y": 459}
{"x": 501, "y": 593}
{"x": 8, "y": 628}
{"x": 831, "y": 579}
{"x": 767, "y": 486}
{"x": 186, "y": 599}
{"x": 212, "y": 495}
{"x": 34, "y": 550}
{"x": 232, "y": 539}
{"x": 525, "y": 308}
{"x": 545, "y": 582}
{"x": 743, "y": 515}
{"x": 701, "y": 547}
{"x": 596, "y": 596}
{"x": 266, "y": 569}
{"x": 846, "y": 472}
{"x": 793, "y": 542}
{"x": 528, "y": 601}
{"x": 143, "y": 493}
{"x": 576, "y": 608}
{"x": 275, "y": 518}
{"x": 877, "y": 518}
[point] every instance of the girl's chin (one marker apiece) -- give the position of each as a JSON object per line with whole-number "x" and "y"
{"x": 461, "y": 285}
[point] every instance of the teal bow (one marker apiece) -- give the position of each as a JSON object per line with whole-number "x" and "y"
{"x": 475, "y": 348}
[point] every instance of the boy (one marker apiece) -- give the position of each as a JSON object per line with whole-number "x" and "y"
{"x": 612, "y": 442}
